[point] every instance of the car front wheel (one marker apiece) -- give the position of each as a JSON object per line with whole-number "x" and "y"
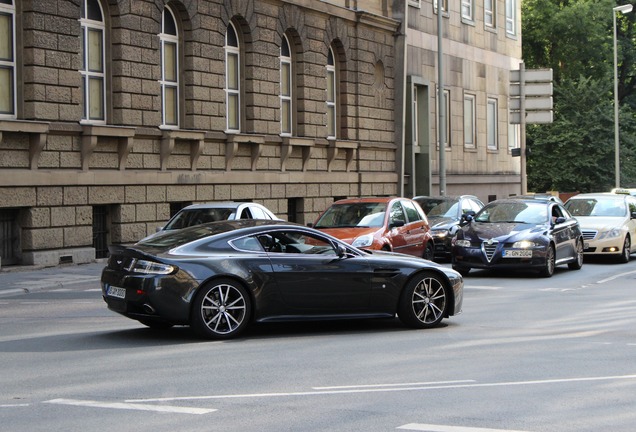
{"x": 578, "y": 262}
{"x": 548, "y": 266}
{"x": 626, "y": 252}
{"x": 424, "y": 301}
{"x": 429, "y": 251}
{"x": 221, "y": 310}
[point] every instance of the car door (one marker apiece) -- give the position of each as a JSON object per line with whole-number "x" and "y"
{"x": 416, "y": 232}
{"x": 564, "y": 233}
{"x": 312, "y": 278}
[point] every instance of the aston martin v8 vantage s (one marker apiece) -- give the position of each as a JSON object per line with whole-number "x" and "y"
{"x": 221, "y": 276}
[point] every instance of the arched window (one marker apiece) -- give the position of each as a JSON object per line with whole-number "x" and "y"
{"x": 169, "y": 70}
{"x": 232, "y": 80}
{"x": 286, "y": 88}
{"x": 93, "y": 61}
{"x": 331, "y": 95}
{"x": 7, "y": 59}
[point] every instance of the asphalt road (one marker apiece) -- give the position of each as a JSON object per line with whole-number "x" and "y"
{"x": 527, "y": 354}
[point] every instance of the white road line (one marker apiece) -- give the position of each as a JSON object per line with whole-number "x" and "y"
{"x": 611, "y": 278}
{"x": 131, "y": 406}
{"x": 14, "y": 405}
{"x": 470, "y": 384}
{"x": 393, "y": 385}
{"x": 442, "y": 428}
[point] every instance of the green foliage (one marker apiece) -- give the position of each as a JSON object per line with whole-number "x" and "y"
{"x": 575, "y": 39}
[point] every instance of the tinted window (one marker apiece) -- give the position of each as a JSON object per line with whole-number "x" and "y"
{"x": 411, "y": 211}
{"x": 294, "y": 242}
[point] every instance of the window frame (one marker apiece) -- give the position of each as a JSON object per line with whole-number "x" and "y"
{"x": 164, "y": 82}
{"x": 286, "y": 100}
{"x": 10, "y": 63}
{"x": 511, "y": 18}
{"x": 87, "y": 26}
{"x": 470, "y": 6}
{"x": 447, "y": 106}
{"x": 492, "y": 119}
{"x": 490, "y": 12}
{"x": 415, "y": 3}
{"x": 232, "y": 51}
{"x": 444, "y": 7}
{"x": 471, "y": 130}
{"x": 332, "y": 93}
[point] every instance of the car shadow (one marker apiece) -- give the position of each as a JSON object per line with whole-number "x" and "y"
{"x": 144, "y": 337}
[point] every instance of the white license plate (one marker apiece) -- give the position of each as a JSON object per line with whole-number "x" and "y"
{"x": 517, "y": 254}
{"x": 116, "y": 292}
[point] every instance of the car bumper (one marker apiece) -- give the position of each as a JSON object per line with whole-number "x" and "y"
{"x": 613, "y": 246}
{"x": 475, "y": 258}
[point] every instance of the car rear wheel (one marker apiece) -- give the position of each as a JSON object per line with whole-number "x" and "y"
{"x": 424, "y": 301}
{"x": 626, "y": 252}
{"x": 578, "y": 262}
{"x": 548, "y": 267}
{"x": 221, "y": 310}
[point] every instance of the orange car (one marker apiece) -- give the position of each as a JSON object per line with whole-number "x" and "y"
{"x": 391, "y": 224}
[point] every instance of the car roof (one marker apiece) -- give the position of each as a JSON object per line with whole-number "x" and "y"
{"x": 218, "y": 204}
{"x": 605, "y": 195}
{"x": 369, "y": 200}
{"x": 516, "y": 199}
{"x": 443, "y": 197}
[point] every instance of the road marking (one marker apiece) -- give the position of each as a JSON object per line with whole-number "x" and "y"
{"x": 14, "y": 405}
{"x": 131, "y": 406}
{"x": 611, "y": 278}
{"x": 442, "y": 428}
{"x": 393, "y": 385}
{"x": 469, "y": 384}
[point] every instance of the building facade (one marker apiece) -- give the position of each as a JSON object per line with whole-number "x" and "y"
{"x": 114, "y": 114}
{"x": 481, "y": 44}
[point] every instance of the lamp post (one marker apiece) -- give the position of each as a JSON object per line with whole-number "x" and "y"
{"x": 622, "y": 9}
{"x": 441, "y": 104}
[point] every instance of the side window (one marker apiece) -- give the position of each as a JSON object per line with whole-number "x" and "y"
{"x": 474, "y": 206}
{"x": 396, "y": 215}
{"x": 294, "y": 242}
{"x": 245, "y": 214}
{"x": 248, "y": 244}
{"x": 93, "y": 72}
{"x": 411, "y": 212}
{"x": 257, "y": 213}
{"x": 632, "y": 206}
{"x": 7, "y": 60}
{"x": 557, "y": 213}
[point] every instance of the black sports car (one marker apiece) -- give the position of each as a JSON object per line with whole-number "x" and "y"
{"x": 519, "y": 233}
{"x": 219, "y": 277}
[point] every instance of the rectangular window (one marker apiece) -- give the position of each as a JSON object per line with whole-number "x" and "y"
{"x": 285, "y": 98}
{"x": 491, "y": 120}
{"x": 469, "y": 121}
{"x": 93, "y": 71}
{"x": 331, "y": 103}
{"x": 514, "y": 136}
{"x": 467, "y": 9}
{"x": 170, "y": 106}
{"x": 444, "y": 6}
{"x": 489, "y": 13}
{"x": 415, "y": 3}
{"x": 511, "y": 17}
{"x": 232, "y": 77}
{"x": 7, "y": 61}
{"x": 447, "y": 120}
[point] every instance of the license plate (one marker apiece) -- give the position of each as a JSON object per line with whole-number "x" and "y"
{"x": 517, "y": 254}
{"x": 116, "y": 292}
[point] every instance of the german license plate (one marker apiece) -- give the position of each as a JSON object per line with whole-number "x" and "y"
{"x": 116, "y": 292}
{"x": 517, "y": 254}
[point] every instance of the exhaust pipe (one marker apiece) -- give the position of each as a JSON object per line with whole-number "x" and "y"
{"x": 148, "y": 309}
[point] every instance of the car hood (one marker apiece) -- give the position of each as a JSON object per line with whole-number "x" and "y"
{"x": 502, "y": 231}
{"x": 600, "y": 222}
{"x": 440, "y": 222}
{"x": 348, "y": 235}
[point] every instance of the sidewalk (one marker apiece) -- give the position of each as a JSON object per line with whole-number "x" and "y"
{"x": 27, "y": 279}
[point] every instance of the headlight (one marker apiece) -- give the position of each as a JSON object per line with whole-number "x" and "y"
{"x": 524, "y": 244}
{"x": 613, "y": 233}
{"x": 363, "y": 241}
{"x": 440, "y": 233}
{"x": 462, "y": 243}
{"x": 149, "y": 267}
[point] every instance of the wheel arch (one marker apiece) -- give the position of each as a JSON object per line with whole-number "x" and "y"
{"x": 234, "y": 278}
{"x": 450, "y": 304}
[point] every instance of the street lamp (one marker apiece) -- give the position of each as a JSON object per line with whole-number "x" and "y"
{"x": 622, "y": 9}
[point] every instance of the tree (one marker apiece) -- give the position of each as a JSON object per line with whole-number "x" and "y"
{"x": 575, "y": 39}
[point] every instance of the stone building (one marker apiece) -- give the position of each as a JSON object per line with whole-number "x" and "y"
{"x": 481, "y": 44}
{"x": 114, "y": 114}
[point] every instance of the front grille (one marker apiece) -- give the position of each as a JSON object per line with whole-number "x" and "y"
{"x": 489, "y": 249}
{"x": 589, "y": 234}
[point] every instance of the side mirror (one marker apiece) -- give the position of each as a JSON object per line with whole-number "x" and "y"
{"x": 341, "y": 251}
{"x": 559, "y": 220}
{"x": 467, "y": 218}
{"x": 159, "y": 228}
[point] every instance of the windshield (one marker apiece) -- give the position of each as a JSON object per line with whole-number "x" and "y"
{"x": 186, "y": 218}
{"x": 596, "y": 207}
{"x": 440, "y": 208}
{"x": 514, "y": 212}
{"x": 360, "y": 215}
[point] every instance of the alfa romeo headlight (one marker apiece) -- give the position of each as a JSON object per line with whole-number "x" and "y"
{"x": 462, "y": 243}
{"x": 524, "y": 244}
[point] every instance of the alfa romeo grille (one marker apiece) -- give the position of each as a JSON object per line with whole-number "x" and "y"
{"x": 489, "y": 249}
{"x": 589, "y": 234}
